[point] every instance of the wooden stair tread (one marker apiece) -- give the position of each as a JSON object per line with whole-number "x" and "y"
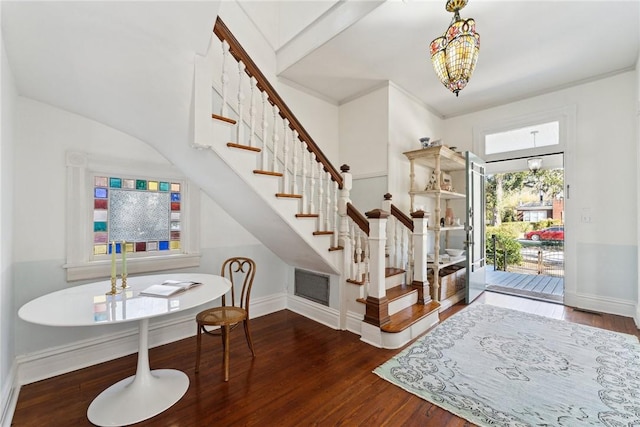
{"x": 322, "y": 233}
{"x": 399, "y": 291}
{"x": 224, "y": 119}
{"x": 410, "y": 315}
{"x": 243, "y": 147}
{"x": 261, "y": 172}
{"x": 300, "y": 215}
{"x": 288, "y": 195}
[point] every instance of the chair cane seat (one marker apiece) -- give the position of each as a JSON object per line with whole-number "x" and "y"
{"x": 221, "y": 316}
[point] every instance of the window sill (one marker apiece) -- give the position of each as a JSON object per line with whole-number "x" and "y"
{"x": 102, "y": 269}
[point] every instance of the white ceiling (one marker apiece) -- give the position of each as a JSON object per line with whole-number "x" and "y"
{"x": 339, "y": 49}
{"x": 527, "y": 48}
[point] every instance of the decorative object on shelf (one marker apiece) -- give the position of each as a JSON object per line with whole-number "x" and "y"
{"x": 432, "y": 182}
{"x": 424, "y": 141}
{"x": 454, "y": 252}
{"x": 455, "y": 53}
{"x": 448, "y": 216}
{"x": 441, "y": 222}
{"x": 445, "y": 182}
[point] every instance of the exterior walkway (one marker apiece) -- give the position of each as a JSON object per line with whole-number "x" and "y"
{"x": 546, "y": 288}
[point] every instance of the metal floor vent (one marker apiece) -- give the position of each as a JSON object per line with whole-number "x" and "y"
{"x": 312, "y": 286}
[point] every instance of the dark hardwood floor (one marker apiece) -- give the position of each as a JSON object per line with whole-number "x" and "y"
{"x": 304, "y": 374}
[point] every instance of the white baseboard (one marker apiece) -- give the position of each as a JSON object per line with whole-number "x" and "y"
{"x": 354, "y": 322}
{"x": 636, "y": 318}
{"x": 60, "y": 360}
{"x": 322, "y": 314}
{"x": 9, "y": 397}
{"x": 602, "y": 304}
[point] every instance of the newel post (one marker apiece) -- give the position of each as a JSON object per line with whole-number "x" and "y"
{"x": 377, "y": 310}
{"x": 347, "y": 183}
{"x": 420, "y": 280}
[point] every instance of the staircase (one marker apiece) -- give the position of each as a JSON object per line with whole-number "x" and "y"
{"x": 279, "y": 185}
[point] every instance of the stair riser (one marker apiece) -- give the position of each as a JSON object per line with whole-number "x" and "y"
{"x": 393, "y": 281}
{"x": 403, "y": 302}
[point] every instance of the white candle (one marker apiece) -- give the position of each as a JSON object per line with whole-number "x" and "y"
{"x": 113, "y": 259}
{"x": 124, "y": 258}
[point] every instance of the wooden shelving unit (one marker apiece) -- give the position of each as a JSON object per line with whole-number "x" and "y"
{"x": 440, "y": 160}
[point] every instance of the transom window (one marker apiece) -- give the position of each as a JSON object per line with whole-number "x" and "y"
{"x": 540, "y": 135}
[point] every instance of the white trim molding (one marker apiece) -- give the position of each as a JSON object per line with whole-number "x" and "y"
{"x": 81, "y": 354}
{"x": 9, "y": 397}
{"x": 322, "y": 314}
{"x": 602, "y": 304}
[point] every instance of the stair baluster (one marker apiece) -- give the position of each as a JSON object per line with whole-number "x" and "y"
{"x": 265, "y": 129}
{"x": 224, "y": 79}
{"x": 328, "y": 212}
{"x": 296, "y": 161}
{"x": 241, "y": 97}
{"x": 252, "y": 112}
{"x": 285, "y": 155}
{"x": 312, "y": 183}
{"x": 274, "y": 140}
{"x": 303, "y": 180}
{"x": 321, "y": 207}
{"x": 334, "y": 240}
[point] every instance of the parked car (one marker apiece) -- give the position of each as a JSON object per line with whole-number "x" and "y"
{"x": 551, "y": 233}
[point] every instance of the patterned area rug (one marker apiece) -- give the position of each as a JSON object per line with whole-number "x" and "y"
{"x": 499, "y": 367}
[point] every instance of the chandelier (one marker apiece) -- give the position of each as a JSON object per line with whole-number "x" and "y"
{"x": 455, "y": 53}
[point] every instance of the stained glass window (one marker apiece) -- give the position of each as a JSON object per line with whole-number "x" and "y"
{"x": 141, "y": 212}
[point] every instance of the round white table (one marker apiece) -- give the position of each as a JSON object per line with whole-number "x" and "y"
{"x": 147, "y": 393}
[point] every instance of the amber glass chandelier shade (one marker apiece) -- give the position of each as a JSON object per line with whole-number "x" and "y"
{"x": 455, "y": 53}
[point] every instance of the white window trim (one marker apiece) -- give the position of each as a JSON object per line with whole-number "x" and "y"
{"x": 79, "y": 265}
{"x": 566, "y": 116}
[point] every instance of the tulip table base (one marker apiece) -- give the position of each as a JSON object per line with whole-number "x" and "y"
{"x": 141, "y": 396}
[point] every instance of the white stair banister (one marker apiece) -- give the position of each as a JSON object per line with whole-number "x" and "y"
{"x": 312, "y": 183}
{"x": 224, "y": 79}
{"x": 285, "y": 155}
{"x": 303, "y": 179}
{"x": 420, "y": 280}
{"x": 295, "y": 143}
{"x": 265, "y": 129}
{"x": 347, "y": 183}
{"x": 334, "y": 241}
{"x": 240, "y": 125}
{"x": 274, "y": 140}
{"x": 252, "y": 111}
{"x": 377, "y": 311}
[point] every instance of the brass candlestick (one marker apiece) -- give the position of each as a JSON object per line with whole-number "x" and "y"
{"x": 124, "y": 282}
{"x": 114, "y": 290}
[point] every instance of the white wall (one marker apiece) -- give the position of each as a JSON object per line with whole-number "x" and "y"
{"x": 601, "y": 256}
{"x": 637, "y": 315}
{"x": 364, "y": 132}
{"x": 409, "y": 121}
{"x": 318, "y": 117}
{"x": 7, "y": 347}
{"x": 43, "y": 134}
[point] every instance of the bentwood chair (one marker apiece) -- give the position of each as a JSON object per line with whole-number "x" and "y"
{"x": 222, "y": 320}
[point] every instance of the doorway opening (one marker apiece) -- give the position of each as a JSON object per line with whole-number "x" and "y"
{"x": 525, "y": 227}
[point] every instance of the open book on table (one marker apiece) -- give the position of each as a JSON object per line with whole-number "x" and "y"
{"x": 169, "y": 287}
